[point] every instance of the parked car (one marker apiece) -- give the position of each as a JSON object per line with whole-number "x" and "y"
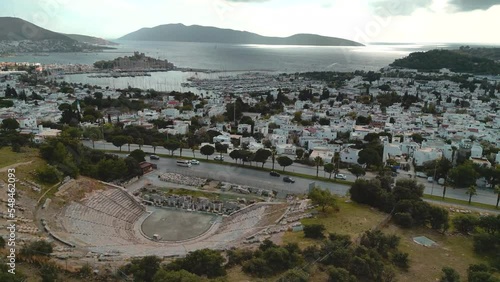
{"x": 340, "y": 176}
{"x": 274, "y": 173}
{"x": 195, "y": 162}
{"x": 219, "y": 158}
{"x": 154, "y": 157}
{"x": 288, "y": 179}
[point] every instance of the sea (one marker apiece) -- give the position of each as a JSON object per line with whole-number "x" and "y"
{"x": 230, "y": 59}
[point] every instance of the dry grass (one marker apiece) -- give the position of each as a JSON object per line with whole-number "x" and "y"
{"x": 352, "y": 219}
{"x": 455, "y": 251}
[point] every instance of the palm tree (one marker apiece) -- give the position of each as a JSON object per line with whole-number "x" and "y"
{"x": 194, "y": 148}
{"x": 497, "y": 191}
{"x": 140, "y": 142}
{"x": 319, "y": 162}
{"x": 130, "y": 139}
{"x": 154, "y": 145}
{"x": 454, "y": 149}
{"x": 273, "y": 151}
{"x": 471, "y": 191}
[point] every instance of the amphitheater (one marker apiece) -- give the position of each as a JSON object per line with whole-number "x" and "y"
{"x": 110, "y": 221}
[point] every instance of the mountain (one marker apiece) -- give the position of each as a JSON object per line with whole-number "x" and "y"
{"x": 15, "y": 29}
{"x": 90, "y": 39}
{"x": 20, "y": 36}
{"x": 196, "y": 33}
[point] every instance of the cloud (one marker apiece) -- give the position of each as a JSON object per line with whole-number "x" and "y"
{"x": 471, "y": 5}
{"x": 248, "y": 1}
{"x": 398, "y": 7}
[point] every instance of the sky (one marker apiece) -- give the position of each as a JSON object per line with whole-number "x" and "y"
{"x": 398, "y": 21}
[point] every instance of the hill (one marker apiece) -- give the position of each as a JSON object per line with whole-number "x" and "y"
{"x": 15, "y": 29}
{"x": 20, "y": 36}
{"x": 457, "y": 62}
{"x": 91, "y": 40}
{"x": 196, "y": 33}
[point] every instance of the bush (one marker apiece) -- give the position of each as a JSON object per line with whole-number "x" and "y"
{"x": 48, "y": 174}
{"x": 37, "y": 248}
{"x": 465, "y": 223}
{"x": 403, "y": 219}
{"x": 314, "y": 231}
{"x": 401, "y": 260}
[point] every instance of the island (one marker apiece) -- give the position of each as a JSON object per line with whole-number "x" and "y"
{"x": 207, "y": 34}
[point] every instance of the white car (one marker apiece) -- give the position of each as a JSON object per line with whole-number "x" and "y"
{"x": 340, "y": 176}
{"x": 219, "y": 158}
{"x": 195, "y": 162}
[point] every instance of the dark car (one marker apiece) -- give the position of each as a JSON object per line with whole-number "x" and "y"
{"x": 274, "y": 173}
{"x": 154, "y": 157}
{"x": 288, "y": 179}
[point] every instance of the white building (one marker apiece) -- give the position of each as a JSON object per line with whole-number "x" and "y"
{"x": 286, "y": 149}
{"x": 420, "y": 156}
{"x": 349, "y": 155}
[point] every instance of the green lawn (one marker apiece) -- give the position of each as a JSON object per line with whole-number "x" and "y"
{"x": 9, "y": 158}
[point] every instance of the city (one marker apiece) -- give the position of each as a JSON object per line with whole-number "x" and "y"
{"x": 135, "y": 160}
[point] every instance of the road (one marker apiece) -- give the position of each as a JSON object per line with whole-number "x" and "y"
{"x": 245, "y": 176}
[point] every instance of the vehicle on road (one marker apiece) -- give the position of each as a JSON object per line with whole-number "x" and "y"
{"x": 421, "y": 174}
{"x": 185, "y": 163}
{"x": 219, "y": 158}
{"x": 274, "y": 173}
{"x": 288, "y": 179}
{"x": 340, "y": 176}
{"x": 195, "y": 162}
{"x": 154, "y": 157}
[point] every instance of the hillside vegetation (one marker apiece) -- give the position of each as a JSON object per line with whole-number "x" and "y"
{"x": 437, "y": 59}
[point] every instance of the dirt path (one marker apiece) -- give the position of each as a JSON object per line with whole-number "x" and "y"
{"x": 4, "y": 169}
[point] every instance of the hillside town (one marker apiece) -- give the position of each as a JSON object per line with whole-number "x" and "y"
{"x": 417, "y": 117}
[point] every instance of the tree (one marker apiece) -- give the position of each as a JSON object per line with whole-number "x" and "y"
{"x": 284, "y": 161}
{"x": 449, "y": 275}
{"x": 262, "y": 155}
{"x": 329, "y": 168}
{"x": 207, "y": 150}
{"x": 439, "y": 218}
{"x": 48, "y": 174}
{"x": 357, "y": 170}
{"x": 319, "y": 162}
{"x": 140, "y": 142}
{"x": 143, "y": 269}
{"x": 182, "y": 275}
{"x": 172, "y": 145}
{"x": 235, "y": 155}
{"x": 119, "y": 141}
{"x": 471, "y": 191}
{"x": 294, "y": 275}
{"x": 497, "y": 191}
{"x": 10, "y": 124}
{"x": 154, "y": 145}
{"x": 273, "y": 155}
{"x": 401, "y": 260}
{"x": 299, "y": 153}
{"x": 138, "y": 155}
{"x": 314, "y": 231}
{"x": 337, "y": 274}
{"x": 194, "y": 148}
{"x": 221, "y": 148}
{"x": 323, "y": 198}
{"x": 201, "y": 262}
{"x": 465, "y": 223}
{"x": 369, "y": 157}
{"x": 463, "y": 175}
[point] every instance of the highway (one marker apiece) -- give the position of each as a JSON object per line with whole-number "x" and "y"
{"x": 246, "y": 176}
